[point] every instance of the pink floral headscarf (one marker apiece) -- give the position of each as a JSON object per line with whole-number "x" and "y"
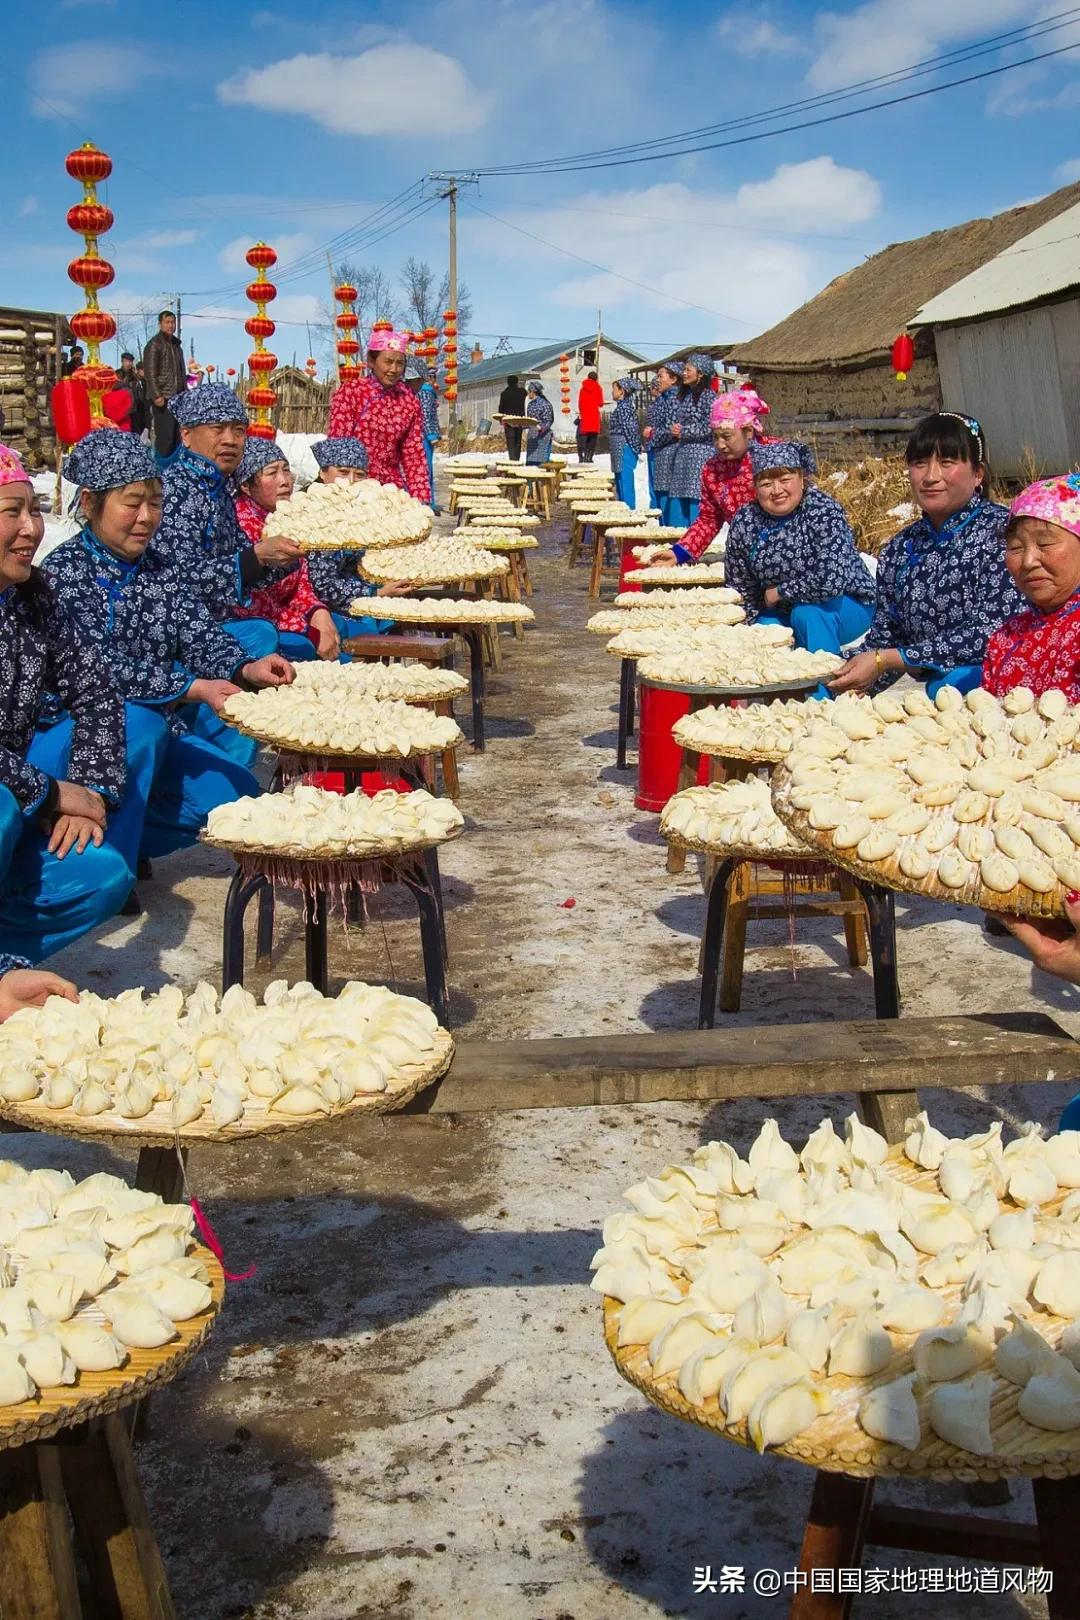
{"x": 12, "y": 470}
{"x": 396, "y": 342}
{"x": 1053, "y": 500}
{"x": 743, "y": 408}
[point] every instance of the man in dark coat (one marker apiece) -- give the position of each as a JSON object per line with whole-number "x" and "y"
{"x": 512, "y": 403}
{"x": 129, "y": 378}
{"x": 166, "y": 375}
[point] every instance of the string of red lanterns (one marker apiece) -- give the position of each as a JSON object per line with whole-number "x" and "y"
{"x": 903, "y": 356}
{"x": 450, "y": 350}
{"x": 564, "y": 382}
{"x": 92, "y": 325}
{"x": 347, "y": 322}
{"x": 261, "y": 362}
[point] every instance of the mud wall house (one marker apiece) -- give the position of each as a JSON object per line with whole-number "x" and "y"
{"x": 1007, "y": 342}
{"x": 31, "y": 342}
{"x": 826, "y": 369}
{"x": 481, "y": 383}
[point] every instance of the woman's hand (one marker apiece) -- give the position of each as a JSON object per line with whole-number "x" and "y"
{"x": 663, "y": 559}
{"x": 395, "y": 587}
{"x": 273, "y": 670}
{"x": 328, "y": 645}
{"x": 771, "y": 597}
{"x": 212, "y": 693}
{"x": 1052, "y": 944}
{"x": 646, "y": 433}
{"x": 74, "y": 832}
{"x": 676, "y": 430}
{"x": 75, "y": 800}
{"x": 31, "y": 987}
{"x": 277, "y": 552}
{"x": 860, "y": 672}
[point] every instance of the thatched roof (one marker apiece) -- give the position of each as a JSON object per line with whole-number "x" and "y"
{"x": 857, "y": 316}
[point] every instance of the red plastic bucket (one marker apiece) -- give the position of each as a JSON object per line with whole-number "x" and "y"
{"x": 627, "y": 563}
{"x": 371, "y": 782}
{"x": 659, "y": 755}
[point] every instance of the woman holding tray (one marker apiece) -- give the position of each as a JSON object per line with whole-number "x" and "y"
{"x": 624, "y": 435}
{"x": 791, "y": 554}
{"x": 172, "y": 663}
{"x": 727, "y": 482}
{"x": 1040, "y": 648}
{"x": 538, "y": 437}
{"x": 942, "y": 585}
{"x": 385, "y": 416}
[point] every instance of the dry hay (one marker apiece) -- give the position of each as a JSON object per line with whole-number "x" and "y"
{"x": 869, "y": 490}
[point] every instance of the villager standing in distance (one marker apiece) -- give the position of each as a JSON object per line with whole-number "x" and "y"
{"x": 590, "y": 400}
{"x": 512, "y": 403}
{"x": 166, "y": 375}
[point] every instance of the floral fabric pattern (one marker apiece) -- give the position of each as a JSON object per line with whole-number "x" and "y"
{"x": 694, "y": 445}
{"x": 624, "y": 431}
{"x": 390, "y": 424}
{"x": 1039, "y": 650}
{"x": 659, "y": 415}
{"x": 809, "y": 556}
{"x": 200, "y": 536}
{"x": 287, "y": 600}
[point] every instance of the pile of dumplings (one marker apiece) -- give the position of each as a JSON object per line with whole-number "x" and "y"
{"x": 496, "y": 539}
{"x": 766, "y": 730}
{"x": 408, "y": 683}
{"x": 695, "y": 596}
{"x": 901, "y": 1292}
{"x": 89, "y": 1270}
{"x": 971, "y": 798}
{"x": 699, "y": 573}
{"x": 169, "y": 1060}
{"x": 515, "y": 518}
{"x": 333, "y": 517}
{"x": 312, "y": 821}
{"x": 433, "y": 562}
{"x": 736, "y": 814}
{"x": 448, "y": 610}
{"x": 668, "y": 617}
{"x": 616, "y": 512}
{"x": 637, "y": 638}
{"x": 767, "y": 666}
{"x": 315, "y": 721}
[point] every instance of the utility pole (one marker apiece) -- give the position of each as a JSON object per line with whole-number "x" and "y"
{"x": 449, "y": 184}
{"x": 333, "y": 309}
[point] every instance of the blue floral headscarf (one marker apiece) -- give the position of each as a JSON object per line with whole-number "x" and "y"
{"x": 703, "y": 362}
{"x": 340, "y": 452}
{"x": 209, "y": 404}
{"x": 109, "y": 459}
{"x": 785, "y": 453}
{"x": 258, "y": 453}
{"x": 629, "y": 385}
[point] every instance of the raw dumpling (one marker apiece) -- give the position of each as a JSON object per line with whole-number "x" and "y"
{"x": 1057, "y": 1286}
{"x": 1063, "y": 1157}
{"x": 936, "y": 1225}
{"x": 729, "y": 1280}
{"x": 860, "y": 1348}
{"x": 950, "y": 1352}
{"x": 136, "y": 1320}
{"x": 763, "y": 1315}
{"x": 810, "y": 1333}
{"x": 53, "y": 1293}
{"x": 642, "y": 1317}
{"x": 743, "y": 1384}
{"x": 44, "y": 1357}
{"x": 91, "y": 1347}
{"x": 769, "y": 1151}
{"x": 155, "y": 1249}
{"x": 1023, "y": 1353}
{"x": 924, "y": 1145}
{"x": 16, "y": 1385}
{"x": 179, "y": 1297}
{"x": 702, "y": 1374}
{"x": 865, "y": 1144}
{"x": 912, "y": 1309}
{"x": 825, "y": 1151}
{"x": 678, "y": 1341}
{"x": 960, "y": 1414}
{"x": 890, "y": 1413}
{"x": 783, "y": 1411}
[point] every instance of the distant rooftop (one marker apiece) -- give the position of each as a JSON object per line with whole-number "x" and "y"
{"x": 526, "y": 360}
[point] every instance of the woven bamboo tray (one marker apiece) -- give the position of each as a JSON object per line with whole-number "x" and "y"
{"x": 328, "y": 758}
{"x": 93, "y": 1394}
{"x": 722, "y": 851}
{"x": 836, "y": 1443}
{"x": 156, "y": 1129}
{"x": 807, "y": 684}
{"x": 497, "y": 568}
{"x": 680, "y": 574}
{"x": 507, "y": 520}
{"x": 365, "y": 542}
{"x": 745, "y": 756}
{"x": 1018, "y": 902}
{"x": 305, "y": 856}
{"x": 493, "y": 541}
{"x": 397, "y": 608}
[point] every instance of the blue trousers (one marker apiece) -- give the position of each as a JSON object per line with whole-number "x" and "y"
{"x": 624, "y": 476}
{"x": 50, "y": 751}
{"x": 681, "y": 512}
{"x": 429, "y": 456}
{"x": 652, "y": 482}
{"x": 966, "y": 677}
{"x": 825, "y": 626}
{"x": 192, "y": 778}
{"x": 259, "y": 638}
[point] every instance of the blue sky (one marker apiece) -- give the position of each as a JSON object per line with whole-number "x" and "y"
{"x": 228, "y": 122}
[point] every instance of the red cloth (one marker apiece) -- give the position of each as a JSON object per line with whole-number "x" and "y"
{"x": 590, "y": 399}
{"x": 390, "y": 425}
{"x": 1038, "y": 650}
{"x": 290, "y": 601}
{"x": 725, "y": 486}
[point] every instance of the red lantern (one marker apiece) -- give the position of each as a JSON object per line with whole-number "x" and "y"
{"x": 260, "y": 292}
{"x": 90, "y": 270}
{"x": 261, "y": 360}
{"x": 117, "y": 408}
{"x": 90, "y": 219}
{"x": 259, "y": 326}
{"x": 93, "y": 326}
{"x": 231, "y": 372}
{"x": 261, "y": 363}
{"x": 210, "y": 370}
{"x": 347, "y": 322}
{"x": 88, "y": 164}
{"x": 903, "y": 356}
{"x": 70, "y": 404}
{"x": 345, "y": 294}
{"x": 260, "y": 257}
{"x": 382, "y": 325}
{"x": 311, "y": 363}
{"x": 261, "y": 398}
{"x": 263, "y": 430}
{"x": 348, "y": 346}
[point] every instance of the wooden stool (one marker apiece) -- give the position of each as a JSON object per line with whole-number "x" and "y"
{"x": 731, "y": 897}
{"x": 537, "y": 486}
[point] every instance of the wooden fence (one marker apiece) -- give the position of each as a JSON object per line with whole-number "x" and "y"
{"x": 31, "y": 343}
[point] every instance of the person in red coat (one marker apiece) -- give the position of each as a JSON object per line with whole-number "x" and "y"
{"x": 589, "y": 403}
{"x": 386, "y": 417}
{"x": 727, "y": 481}
{"x": 1040, "y": 648}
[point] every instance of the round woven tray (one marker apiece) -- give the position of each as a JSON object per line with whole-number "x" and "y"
{"x": 717, "y": 750}
{"x": 93, "y": 1394}
{"x": 741, "y": 852}
{"x": 303, "y": 856}
{"x": 155, "y": 1129}
{"x": 498, "y": 568}
{"x": 836, "y": 1443}
{"x": 1018, "y": 902}
{"x": 680, "y": 574}
{"x": 509, "y": 613}
{"x": 507, "y": 520}
{"x": 327, "y": 758}
{"x": 365, "y": 543}
{"x": 807, "y": 684}
{"x": 500, "y": 542}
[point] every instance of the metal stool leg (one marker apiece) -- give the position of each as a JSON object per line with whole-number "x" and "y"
{"x": 626, "y": 699}
{"x": 476, "y": 677}
{"x": 431, "y": 867}
{"x": 881, "y": 910}
{"x": 264, "y": 938}
{"x": 431, "y": 939}
{"x": 711, "y": 941}
{"x": 315, "y": 942}
{"x": 241, "y": 892}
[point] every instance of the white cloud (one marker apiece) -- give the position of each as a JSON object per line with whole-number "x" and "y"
{"x": 286, "y": 247}
{"x": 1067, "y": 172}
{"x": 756, "y": 36}
{"x": 66, "y": 80}
{"x": 882, "y": 36}
{"x": 812, "y": 196}
{"x": 373, "y": 93}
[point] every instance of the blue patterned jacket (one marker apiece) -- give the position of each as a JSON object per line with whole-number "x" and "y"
{"x": 809, "y": 555}
{"x": 694, "y": 446}
{"x": 624, "y": 431}
{"x": 153, "y": 635}
{"x": 42, "y": 651}
{"x": 941, "y": 594}
{"x": 659, "y": 415}
{"x": 429, "y": 407}
{"x": 334, "y": 576}
{"x": 201, "y": 538}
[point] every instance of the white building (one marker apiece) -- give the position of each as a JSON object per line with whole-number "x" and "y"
{"x": 480, "y": 384}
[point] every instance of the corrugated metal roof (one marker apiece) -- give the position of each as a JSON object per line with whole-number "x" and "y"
{"x": 526, "y": 360}
{"x": 1040, "y": 264}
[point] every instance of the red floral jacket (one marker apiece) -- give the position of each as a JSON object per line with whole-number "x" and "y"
{"x": 725, "y": 486}
{"x": 1040, "y": 650}
{"x": 390, "y": 425}
{"x": 287, "y": 602}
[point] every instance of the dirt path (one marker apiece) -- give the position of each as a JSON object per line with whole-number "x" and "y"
{"x": 409, "y": 1412}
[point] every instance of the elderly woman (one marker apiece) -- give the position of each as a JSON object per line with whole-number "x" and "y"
{"x": 1040, "y": 648}
{"x": 69, "y": 801}
{"x": 387, "y": 419}
{"x": 290, "y": 601}
{"x": 624, "y": 436}
{"x": 200, "y": 535}
{"x": 334, "y": 573}
{"x": 659, "y": 417}
{"x": 691, "y": 434}
{"x": 538, "y": 438}
{"x": 942, "y": 585}
{"x": 727, "y": 482}
{"x": 165, "y": 653}
{"x": 791, "y": 553}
